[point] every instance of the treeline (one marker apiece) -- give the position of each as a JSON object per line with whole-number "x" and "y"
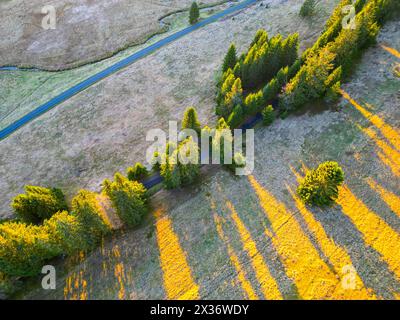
{"x": 46, "y": 228}
{"x": 249, "y": 82}
{"x": 333, "y": 55}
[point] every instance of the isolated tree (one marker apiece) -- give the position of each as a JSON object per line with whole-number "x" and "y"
{"x": 230, "y": 59}
{"x": 190, "y": 120}
{"x": 308, "y": 8}
{"x": 194, "y": 13}
{"x": 320, "y": 186}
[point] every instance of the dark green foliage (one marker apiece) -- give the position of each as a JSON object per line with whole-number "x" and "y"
{"x": 90, "y": 215}
{"x": 230, "y": 59}
{"x": 137, "y": 173}
{"x": 253, "y": 103}
{"x": 236, "y": 117}
{"x": 190, "y": 120}
{"x": 308, "y": 8}
{"x": 320, "y": 186}
{"x": 127, "y": 197}
{"x": 271, "y": 90}
{"x": 38, "y": 203}
{"x": 268, "y": 115}
{"x": 194, "y": 13}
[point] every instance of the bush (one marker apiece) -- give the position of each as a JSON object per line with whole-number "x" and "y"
{"x": 268, "y": 115}
{"x": 91, "y": 216}
{"x": 320, "y": 186}
{"x": 190, "y": 120}
{"x": 236, "y": 117}
{"x": 137, "y": 173}
{"x": 24, "y": 249}
{"x": 308, "y": 8}
{"x": 194, "y": 13}
{"x": 127, "y": 197}
{"x": 38, "y": 204}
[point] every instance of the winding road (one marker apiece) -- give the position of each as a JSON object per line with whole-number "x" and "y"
{"x": 116, "y": 67}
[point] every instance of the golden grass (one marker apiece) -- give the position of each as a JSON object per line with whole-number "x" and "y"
{"x": 177, "y": 275}
{"x": 75, "y": 284}
{"x": 241, "y": 274}
{"x": 311, "y": 275}
{"x": 387, "y": 131}
{"x": 268, "y": 284}
{"x": 392, "y": 200}
{"x": 337, "y": 255}
{"x": 391, "y": 51}
{"x": 376, "y": 232}
{"x": 119, "y": 273}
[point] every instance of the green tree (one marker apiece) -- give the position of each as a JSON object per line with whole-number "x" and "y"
{"x": 38, "y": 204}
{"x": 127, "y": 197}
{"x": 230, "y": 59}
{"x": 320, "y": 186}
{"x": 194, "y": 13}
{"x": 234, "y": 96}
{"x": 190, "y": 120}
{"x": 268, "y": 115}
{"x": 137, "y": 172}
{"x": 308, "y": 8}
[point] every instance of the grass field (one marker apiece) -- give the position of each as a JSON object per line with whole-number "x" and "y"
{"x": 250, "y": 237}
{"x": 102, "y": 130}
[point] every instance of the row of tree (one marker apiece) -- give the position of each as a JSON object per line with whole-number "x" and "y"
{"x": 333, "y": 55}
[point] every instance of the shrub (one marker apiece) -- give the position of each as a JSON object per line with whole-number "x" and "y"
{"x": 24, "y": 248}
{"x": 236, "y": 117}
{"x": 254, "y": 103}
{"x": 38, "y": 203}
{"x": 268, "y": 115}
{"x": 320, "y": 186}
{"x": 91, "y": 216}
{"x": 137, "y": 173}
{"x": 127, "y": 197}
{"x": 194, "y": 13}
{"x": 308, "y": 8}
{"x": 190, "y": 120}
{"x": 230, "y": 59}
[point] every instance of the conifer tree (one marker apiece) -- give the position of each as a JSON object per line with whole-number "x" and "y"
{"x": 230, "y": 59}
{"x": 194, "y": 13}
{"x": 190, "y": 120}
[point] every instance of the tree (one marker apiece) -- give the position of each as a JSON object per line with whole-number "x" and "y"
{"x": 127, "y": 197}
{"x": 190, "y": 120}
{"x": 268, "y": 115}
{"x": 320, "y": 186}
{"x": 137, "y": 173}
{"x": 91, "y": 216}
{"x": 230, "y": 59}
{"x": 308, "y": 8}
{"x": 38, "y": 204}
{"x": 194, "y": 13}
{"x": 234, "y": 96}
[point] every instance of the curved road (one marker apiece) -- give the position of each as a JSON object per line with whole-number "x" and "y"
{"x": 116, "y": 67}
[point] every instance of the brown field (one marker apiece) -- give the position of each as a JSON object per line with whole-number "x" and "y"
{"x": 102, "y": 130}
{"x": 250, "y": 237}
{"x": 85, "y": 32}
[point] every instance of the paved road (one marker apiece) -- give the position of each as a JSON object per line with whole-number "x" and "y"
{"x": 116, "y": 67}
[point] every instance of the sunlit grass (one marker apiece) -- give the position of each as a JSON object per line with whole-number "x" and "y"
{"x": 337, "y": 255}
{"x": 311, "y": 275}
{"x": 387, "y": 131}
{"x": 241, "y": 274}
{"x": 177, "y": 275}
{"x": 391, "y": 51}
{"x": 392, "y": 200}
{"x": 75, "y": 284}
{"x": 268, "y": 284}
{"x": 376, "y": 232}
